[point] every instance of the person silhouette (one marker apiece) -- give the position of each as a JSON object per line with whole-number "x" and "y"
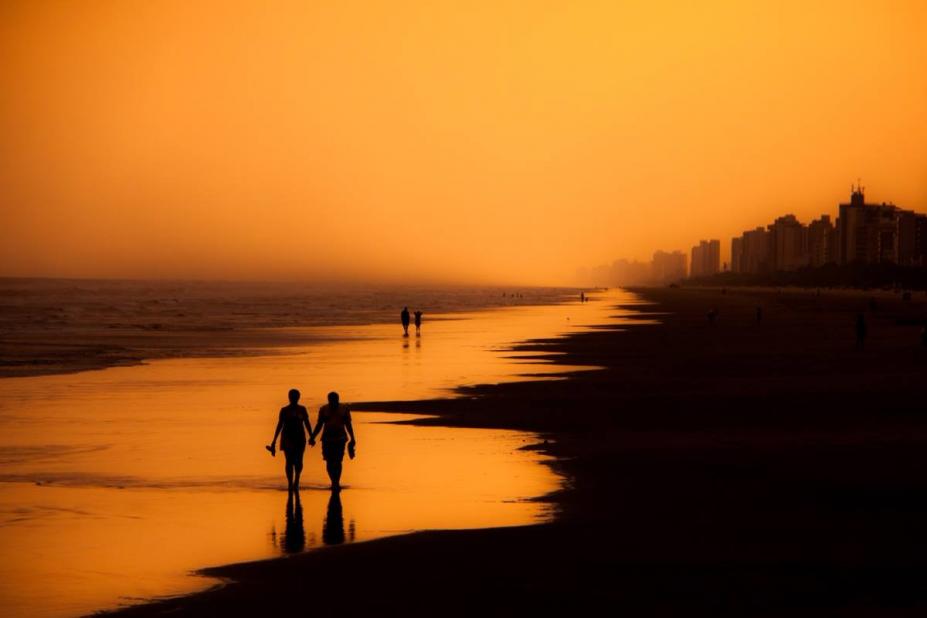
{"x": 294, "y": 536}
{"x": 418, "y": 323}
{"x": 759, "y": 314}
{"x": 290, "y": 423}
{"x": 335, "y": 424}
{"x": 333, "y": 525}
{"x": 404, "y": 317}
{"x": 860, "y": 330}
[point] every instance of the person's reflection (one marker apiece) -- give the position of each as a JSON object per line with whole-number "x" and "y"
{"x": 294, "y": 537}
{"x": 333, "y": 526}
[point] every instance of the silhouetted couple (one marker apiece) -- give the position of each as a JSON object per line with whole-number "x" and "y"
{"x": 334, "y": 423}
{"x": 404, "y": 318}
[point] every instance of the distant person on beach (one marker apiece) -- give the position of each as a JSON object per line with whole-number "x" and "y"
{"x": 860, "y": 330}
{"x": 335, "y": 425}
{"x": 404, "y": 317}
{"x": 418, "y": 322}
{"x": 759, "y": 314}
{"x": 582, "y": 297}
{"x": 290, "y": 423}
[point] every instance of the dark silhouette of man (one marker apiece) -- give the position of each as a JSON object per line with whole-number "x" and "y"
{"x": 404, "y": 316}
{"x": 418, "y": 322}
{"x": 335, "y": 424}
{"x": 290, "y": 425}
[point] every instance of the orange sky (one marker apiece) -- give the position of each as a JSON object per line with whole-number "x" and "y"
{"x": 480, "y": 141}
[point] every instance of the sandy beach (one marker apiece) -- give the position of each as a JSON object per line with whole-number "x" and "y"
{"x": 739, "y": 468}
{"x": 117, "y": 484}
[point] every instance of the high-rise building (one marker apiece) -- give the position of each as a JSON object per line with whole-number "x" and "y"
{"x": 754, "y": 257}
{"x": 822, "y": 242}
{"x": 706, "y": 258}
{"x": 868, "y": 233}
{"x": 789, "y": 240}
{"x": 910, "y": 238}
{"x": 667, "y": 267}
{"x": 714, "y": 257}
{"x": 737, "y": 254}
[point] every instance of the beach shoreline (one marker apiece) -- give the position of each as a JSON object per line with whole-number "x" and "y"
{"x": 698, "y": 482}
{"x": 55, "y": 327}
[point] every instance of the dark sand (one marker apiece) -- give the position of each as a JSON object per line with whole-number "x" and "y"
{"x": 735, "y": 469}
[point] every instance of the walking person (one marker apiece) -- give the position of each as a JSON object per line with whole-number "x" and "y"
{"x": 290, "y": 423}
{"x": 404, "y": 317}
{"x": 418, "y": 323}
{"x": 335, "y": 425}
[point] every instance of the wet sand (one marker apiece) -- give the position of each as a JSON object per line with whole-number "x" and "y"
{"x": 116, "y": 484}
{"x": 727, "y": 469}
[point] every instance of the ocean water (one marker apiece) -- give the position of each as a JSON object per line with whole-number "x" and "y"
{"x": 52, "y": 305}
{"x": 116, "y": 484}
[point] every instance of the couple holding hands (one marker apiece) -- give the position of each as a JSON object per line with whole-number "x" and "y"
{"x": 334, "y": 423}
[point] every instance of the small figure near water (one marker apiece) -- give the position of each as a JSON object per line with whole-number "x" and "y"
{"x": 404, "y": 317}
{"x": 860, "y": 330}
{"x": 335, "y": 425}
{"x": 582, "y": 297}
{"x": 418, "y": 323}
{"x": 290, "y": 423}
{"x": 759, "y": 314}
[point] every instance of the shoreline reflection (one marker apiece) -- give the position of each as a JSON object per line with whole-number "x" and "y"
{"x": 294, "y": 535}
{"x": 333, "y": 525}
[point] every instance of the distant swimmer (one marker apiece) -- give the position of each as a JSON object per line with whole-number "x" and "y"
{"x": 290, "y": 423}
{"x": 335, "y": 425}
{"x": 418, "y": 322}
{"x": 404, "y": 316}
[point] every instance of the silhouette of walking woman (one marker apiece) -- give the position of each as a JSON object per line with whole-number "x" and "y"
{"x": 404, "y": 316}
{"x": 290, "y": 423}
{"x": 335, "y": 424}
{"x": 418, "y": 323}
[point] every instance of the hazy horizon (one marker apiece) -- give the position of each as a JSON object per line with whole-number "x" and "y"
{"x": 481, "y": 143}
